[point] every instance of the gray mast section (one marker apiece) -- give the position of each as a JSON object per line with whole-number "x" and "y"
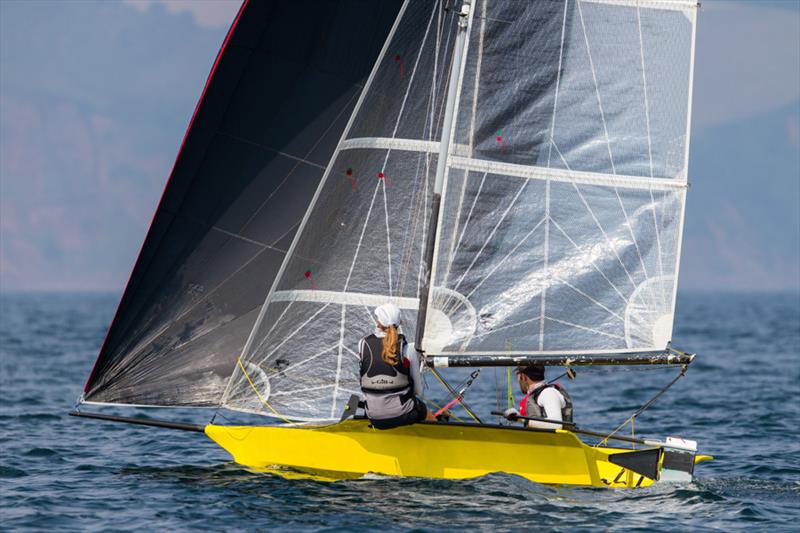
{"x": 441, "y": 167}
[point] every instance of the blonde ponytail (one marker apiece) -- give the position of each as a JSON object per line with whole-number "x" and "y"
{"x": 390, "y": 344}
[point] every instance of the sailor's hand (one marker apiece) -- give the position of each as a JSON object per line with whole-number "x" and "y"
{"x": 511, "y": 414}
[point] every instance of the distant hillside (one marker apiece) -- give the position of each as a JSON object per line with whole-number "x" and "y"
{"x": 743, "y": 209}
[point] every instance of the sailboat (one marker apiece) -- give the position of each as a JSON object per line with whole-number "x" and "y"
{"x": 511, "y": 175}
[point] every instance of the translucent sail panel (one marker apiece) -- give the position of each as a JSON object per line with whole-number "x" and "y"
{"x": 271, "y": 115}
{"x": 529, "y": 265}
{"x": 361, "y": 247}
{"x": 309, "y": 365}
{"x": 599, "y": 86}
{"x": 365, "y": 233}
{"x": 406, "y": 96}
{"x": 362, "y": 243}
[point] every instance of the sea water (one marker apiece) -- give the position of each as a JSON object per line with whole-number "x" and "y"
{"x": 740, "y": 400}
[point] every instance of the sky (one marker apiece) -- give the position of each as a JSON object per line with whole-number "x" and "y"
{"x": 95, "y": 97}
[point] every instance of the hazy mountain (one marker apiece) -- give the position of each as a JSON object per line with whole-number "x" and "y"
{"x": 743, "y": 210}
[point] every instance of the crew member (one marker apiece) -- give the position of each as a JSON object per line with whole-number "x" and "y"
{"x": 542, "y": 399}
{"x": 390, "y": 377}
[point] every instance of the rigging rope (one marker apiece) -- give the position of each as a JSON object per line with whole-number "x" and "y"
{"x": 453, "y": 392}
{"x": 265, "y": 402}
{"x": 459, "y": 396}
{"x": 510, "y": 396}
{"x": 437, "y": 406}
{"x": 644, "y": 407}
{"x": 496, "y": 394}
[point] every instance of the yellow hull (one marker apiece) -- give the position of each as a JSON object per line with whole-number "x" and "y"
{"x": 449, "y": 451}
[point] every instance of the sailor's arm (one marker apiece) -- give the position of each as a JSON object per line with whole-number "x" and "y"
{"x": 416, "y": 377}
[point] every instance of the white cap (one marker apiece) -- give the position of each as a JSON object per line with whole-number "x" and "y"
{"x": 388, "y": 315}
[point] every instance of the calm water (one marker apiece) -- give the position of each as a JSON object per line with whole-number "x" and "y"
{"x": 740, "y": 400}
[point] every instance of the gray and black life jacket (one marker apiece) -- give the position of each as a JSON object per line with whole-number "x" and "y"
{"x": 530, "y": 405}
{"x": 378, "y": 376}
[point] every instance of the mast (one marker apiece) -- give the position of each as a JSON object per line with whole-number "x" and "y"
{"x": 441, "y": 167}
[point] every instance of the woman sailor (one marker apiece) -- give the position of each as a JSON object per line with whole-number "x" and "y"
{"x": 390, "y": 377}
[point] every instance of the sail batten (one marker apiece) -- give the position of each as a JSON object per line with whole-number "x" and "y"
{"x": 679, "y": 5}
{"x": 565, "y": 175}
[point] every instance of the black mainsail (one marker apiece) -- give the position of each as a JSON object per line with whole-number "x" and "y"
{"x": 282, "y": 88}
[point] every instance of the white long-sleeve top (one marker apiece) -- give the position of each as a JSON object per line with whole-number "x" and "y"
{"x": 552, "y": 402}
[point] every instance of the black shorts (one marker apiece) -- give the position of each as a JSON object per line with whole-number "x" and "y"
{"x": 417, "y": 414}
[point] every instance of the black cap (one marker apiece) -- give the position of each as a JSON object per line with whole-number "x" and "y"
{"x": 534, "y": 371}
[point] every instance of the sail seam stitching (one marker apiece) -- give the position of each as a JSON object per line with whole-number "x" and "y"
{"x": 466, "y": 224}
{"x": 608, "y": 141}
{"x": 571, "y": 324}
{"x": 501, "y": 328}
{"x": 649, "y": 140}
{"x": 594, "y": 217}
{"x": 270, "y": 149}
{"x": 574, "y": 244}
{"x": 543, "y": 304}
{"x": 502, "y": 261}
